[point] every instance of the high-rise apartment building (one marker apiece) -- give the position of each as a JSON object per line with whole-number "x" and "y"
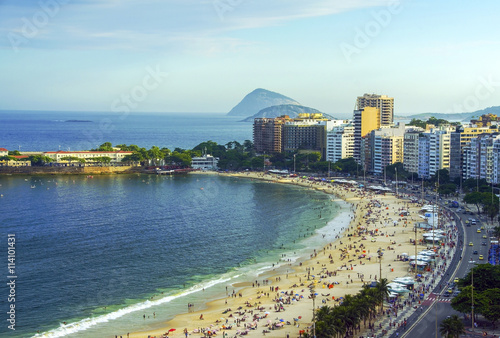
{"x": 384, "y": 103}
{"x": 460, "y": 138}
{"x": 305, "y": 133}
{"x": 365, "y": 120}
{"x": 410, "y": 149}
{"x": 385, "y": 147}
{"x": 267, "y": 134}
{"x": 433, "y": 152}
{"x": 340, "y": 142}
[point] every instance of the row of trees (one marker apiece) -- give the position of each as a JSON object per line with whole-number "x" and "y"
{"x": 345, "y": 319}
{"x": 432, "y": 120}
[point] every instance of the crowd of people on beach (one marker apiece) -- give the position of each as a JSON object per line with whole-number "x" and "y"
{"x": 378, "y": 224}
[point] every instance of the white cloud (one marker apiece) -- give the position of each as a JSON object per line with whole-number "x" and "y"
{"x": 158, "y": 24}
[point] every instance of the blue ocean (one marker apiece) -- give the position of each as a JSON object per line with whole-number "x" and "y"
{"x": 97, "y": 255}
{"x": 51, "y": 131}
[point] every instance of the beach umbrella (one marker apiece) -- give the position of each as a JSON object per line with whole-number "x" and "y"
{"x": 282, "y": 320}
{"x": 171, "y": 330}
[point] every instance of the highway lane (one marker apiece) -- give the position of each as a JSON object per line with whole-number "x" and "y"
{"x": 425, "y": 322}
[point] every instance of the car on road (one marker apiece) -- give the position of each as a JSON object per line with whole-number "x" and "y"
{"x": 481, "y": 257}
{"x": 456, "y": 293}
{"x": 484, "y": 236}
{"x": 483, "y": 243}
{"x": 455, "y": 280}
{"x": 482, "y": 228}
{"x": 471, "y": 244}
{"x": 475, "y": 252}
{"x": 478, "y": 231}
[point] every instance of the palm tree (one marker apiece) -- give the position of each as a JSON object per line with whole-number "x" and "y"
{"x": 452, "y": 327}
{"x": 370, "y": 303}
{"x": 383, "y": 291}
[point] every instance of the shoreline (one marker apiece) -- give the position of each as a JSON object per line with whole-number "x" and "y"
{"x": 335, "y": 282}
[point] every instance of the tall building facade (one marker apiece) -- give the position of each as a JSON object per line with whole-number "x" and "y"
{"x": 365, "y": 120}
{"x": 481, "y": 157}
{"x": 433, "y": 152}
{"x": 340, "y": 142}
{"x": 267, "y": 134}
{"x": 410, "y": 149}
{"x": 459, "y": 139}
{"x": 384, "y": 103}
{"x": 385, "y": 147}
{"x": 305, "y": 134}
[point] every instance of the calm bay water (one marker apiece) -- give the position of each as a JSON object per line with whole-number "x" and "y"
{"x": 49, "y": 131}
{"x": 99, "y": 253}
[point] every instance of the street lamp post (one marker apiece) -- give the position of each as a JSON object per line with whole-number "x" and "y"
{"x": 294, "y": 163}
{"x": 380, "y": 254}
{"x": 415, "y": 226}
{"x": 313, "y": 296}
{"x": 396, "y": 180}
{"x": 364, "y": 176}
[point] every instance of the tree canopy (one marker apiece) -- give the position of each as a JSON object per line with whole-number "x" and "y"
{"x": 486, "y": 292}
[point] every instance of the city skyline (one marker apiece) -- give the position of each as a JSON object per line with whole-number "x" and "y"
{"x": 205, "y": 56}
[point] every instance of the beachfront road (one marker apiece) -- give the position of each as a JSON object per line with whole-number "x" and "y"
{"x": 426, "y": 320}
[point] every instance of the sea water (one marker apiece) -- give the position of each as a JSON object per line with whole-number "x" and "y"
{"x": 59, "y": 130}
{"x": 100, "y": 253}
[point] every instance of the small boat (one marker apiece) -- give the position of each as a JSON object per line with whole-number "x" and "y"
{"x": 164, "y": 172}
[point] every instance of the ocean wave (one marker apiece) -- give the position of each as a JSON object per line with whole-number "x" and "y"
{"x": 87, "y": 323}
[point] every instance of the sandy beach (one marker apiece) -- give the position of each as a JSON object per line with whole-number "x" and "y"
{"x": 280, "y": 305}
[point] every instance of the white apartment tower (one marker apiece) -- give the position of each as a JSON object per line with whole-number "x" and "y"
{"x": 410, "y": 152}
{"x": 340, "y": 142}
{"x": 433, "y": 152}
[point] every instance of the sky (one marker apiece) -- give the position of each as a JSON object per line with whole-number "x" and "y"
{"x": 206, "y": 55}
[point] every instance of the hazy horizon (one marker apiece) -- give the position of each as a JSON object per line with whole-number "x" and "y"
{"x": 345, "y": 116}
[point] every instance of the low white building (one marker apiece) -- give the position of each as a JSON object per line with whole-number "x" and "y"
{"x": 88, "y": 156}
{"x": 4, "y": 152}
{"x": 205, "y": 162}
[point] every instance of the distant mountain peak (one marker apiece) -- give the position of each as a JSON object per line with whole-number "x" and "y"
{"x": 257, "y": 100}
